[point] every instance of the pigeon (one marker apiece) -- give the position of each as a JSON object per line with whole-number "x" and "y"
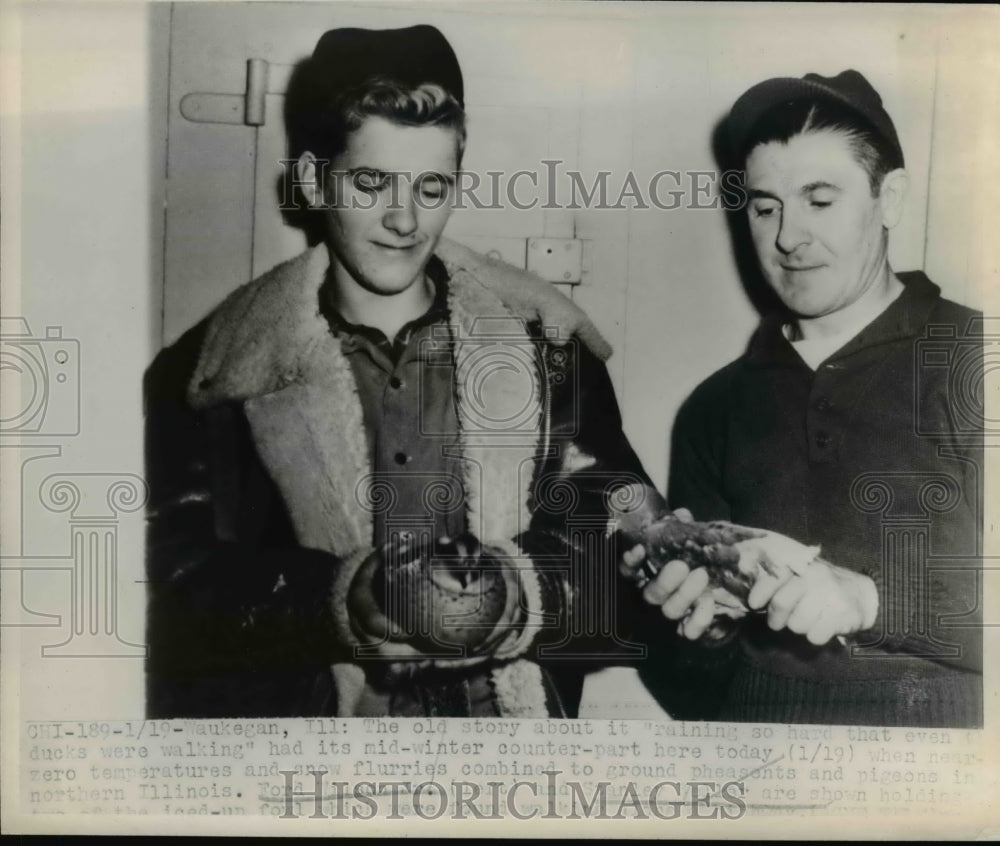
{"x": 734, "y": 556}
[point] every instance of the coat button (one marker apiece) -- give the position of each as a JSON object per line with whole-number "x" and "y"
{"x": 822, "y": 439}
{"x": 401, "y": 457}
{"x": 396, "y": 382}
{"x": 823, "y": 404}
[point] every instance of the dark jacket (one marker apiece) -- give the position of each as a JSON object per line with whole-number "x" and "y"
{"x": 256, "y": 451}
{"x": 876, "y": 457}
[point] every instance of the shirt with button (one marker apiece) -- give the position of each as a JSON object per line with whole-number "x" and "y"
{"x": 406, "y": 388}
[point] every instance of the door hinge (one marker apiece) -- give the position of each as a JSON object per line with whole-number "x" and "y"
{"x": 248, "y": 108}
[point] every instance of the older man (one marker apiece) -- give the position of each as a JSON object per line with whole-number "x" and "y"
{"x": 836, "y": 429}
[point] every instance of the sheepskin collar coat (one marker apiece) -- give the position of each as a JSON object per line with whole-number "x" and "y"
{"x": 256, "y": 447}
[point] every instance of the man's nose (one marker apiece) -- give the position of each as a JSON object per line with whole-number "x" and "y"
{"x": 401, "y": 217}
{"x": 792, "y": 233}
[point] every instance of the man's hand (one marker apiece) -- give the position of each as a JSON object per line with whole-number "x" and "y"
{"x": 683, "y": 594}
{"x": 820, "y": 603}
{"x": 680, "y": 592}
{"x": 817, "y": 600}
{"x": 432, "y": 598}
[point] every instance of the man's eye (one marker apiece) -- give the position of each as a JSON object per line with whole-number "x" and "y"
{"x": 764, "y": 211}
{"x": 820, "y": 204}
{"x": 432, "y": 188}
{"x": 370, "y": 180}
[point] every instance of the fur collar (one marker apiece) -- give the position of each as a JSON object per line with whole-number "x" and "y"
{"x": 265, "y": 334}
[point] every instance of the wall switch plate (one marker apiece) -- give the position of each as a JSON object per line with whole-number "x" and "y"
{"x": 556, "y": 259}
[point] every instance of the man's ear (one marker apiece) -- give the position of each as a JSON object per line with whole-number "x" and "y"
{"x": 307, "y": 178}
{"x": 892, "y": 196}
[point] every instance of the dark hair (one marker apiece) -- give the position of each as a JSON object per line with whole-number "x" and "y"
{"x": 784, "y": 121}
{"x": 322, "y": 125}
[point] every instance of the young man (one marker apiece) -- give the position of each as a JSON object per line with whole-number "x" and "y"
{"x": 833, "y": 430}
{"x": 364, "y": 465}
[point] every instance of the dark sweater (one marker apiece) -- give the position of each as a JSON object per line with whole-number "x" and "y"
{"x": 876, "y": 457}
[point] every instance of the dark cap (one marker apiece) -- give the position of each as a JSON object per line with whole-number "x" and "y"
{"x": 849, "y": 88}
{"x": 346, "y": 58}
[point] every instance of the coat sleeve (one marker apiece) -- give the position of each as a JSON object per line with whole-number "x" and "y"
{"x": 236, "y": 612}
{"x": 591, "y": 610}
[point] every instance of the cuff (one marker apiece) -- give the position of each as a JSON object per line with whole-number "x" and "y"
{"x": 869, "y": 602}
